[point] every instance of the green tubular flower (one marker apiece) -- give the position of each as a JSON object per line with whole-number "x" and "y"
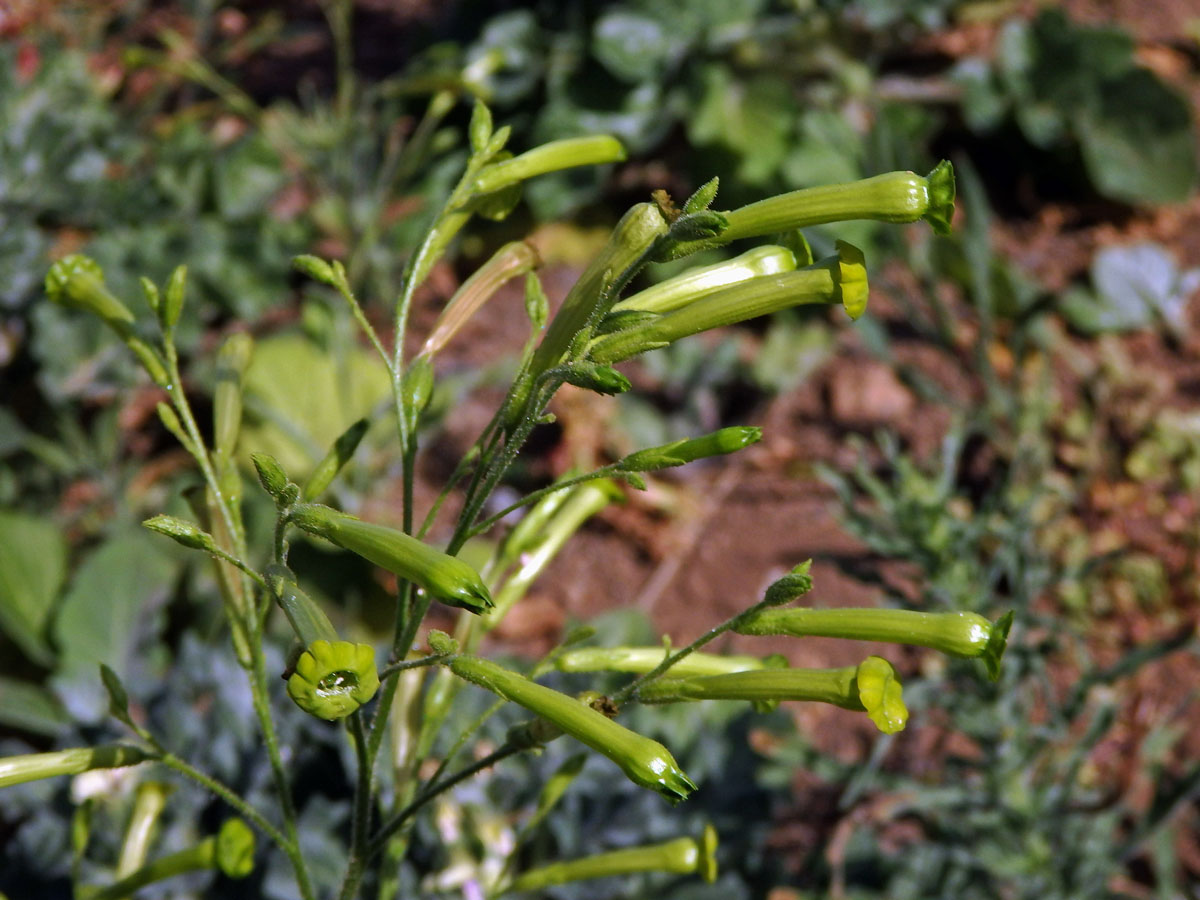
{"x": 333, "y": 679}
{"x": 639, "y": 660}
{"x": 700, "y": 282}
{"x": 896, "y": 197}
{"x": 836, "y": 279}
{"x": 678, "y": 453}
{"x": 632, "y": 238}
{"x": 593, "y": 150}
{"x": 77, "y": 282}
{"x": 443, "y": 576}
{"x": 644, "y": 761}
{"x": 682, "y": 856}
{"x": 871, "y": 686}
{"x": 962, "y": 634}
{"x": 33, "y": 766}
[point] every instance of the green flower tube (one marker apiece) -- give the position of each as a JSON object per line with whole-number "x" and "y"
{"x": 307, "y": 619}
{"x": 682, "y": 856}
{"x": 593, "y": 150}
{"x": 33, "y": 766}
{"x": 871, "y": 686}
{"x": 632, "y": 238}
{"x": 639, "y": 660}
{"x": 333, "y": 679}
{"x": 231, "y": 851}
{"x": 678, "y": 453}
{"x": 836, "y": 279}
{"x": 962, "y": 634}
{"x": 896, "y": 197}
{"x": 700, "y": 282}
{"x": 444, "y": 577}
{"x": 644, "y": 761}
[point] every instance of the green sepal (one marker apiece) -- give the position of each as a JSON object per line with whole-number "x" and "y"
{"x": 339, "y": 454}
{"x": 150, "y": 292}
{"x": 703, "y": 197}
{"x": 333, "y": 679}
{"x": 537, "y": 305}
{"x": 796, "y": 583}
{"x": 171, "y": 307}
{"x": 315, "y": 268}
{"x": 182, "y": 532}
{"x": 441, "y": 643}
{"x": 171, "y": 422}
{"x": 997, "y": 642}
{"x": 274, "y": 480}
{"x": 620, "y": 319}
{"x": 480, "y": 129}
{"x": 600, "y": 379}
{"x": 118, "y": 697}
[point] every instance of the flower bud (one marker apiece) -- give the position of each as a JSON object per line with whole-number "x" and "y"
{"x": 962, "y": 634}
{"x": 339, "y": 454}
{"x": 682, "y": 856}
{"x": 718, "y": 443}
{"x": 895, "y": 197}
{"x": 77, "y": 282}
{"x": 33, "y": 766}
{"x": 182, "y": 532}
{"x": 644, "y": 761}
{"x": 333, "y": 679}
{"x": 593, "y": 150}
{"x": 444, "y": 577}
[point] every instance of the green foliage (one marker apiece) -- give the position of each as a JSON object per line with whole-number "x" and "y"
{"x": 1074, "y": 85}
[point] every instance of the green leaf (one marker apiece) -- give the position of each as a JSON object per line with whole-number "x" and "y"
{"x": 246, "y": 177}
{"x": 33, "y": 556}
{"x": 633, "y": 48}
{"x": 31, "y": 708}
{"x": 103, "y": 610}
{"x": 752, "y": 118}
{"x": 1137, "y": 141}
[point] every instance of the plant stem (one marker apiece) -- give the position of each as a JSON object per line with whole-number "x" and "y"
{"x": 397, "y": 821}
{"x": 537, "y": 495}
{"x": 362, "y": 803}
{"x": 226, "y": 793}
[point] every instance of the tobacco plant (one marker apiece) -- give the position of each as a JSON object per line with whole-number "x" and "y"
{"x": 399, "y": 698}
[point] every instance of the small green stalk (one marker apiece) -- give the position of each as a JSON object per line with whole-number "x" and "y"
{"x": 440, "y": 575}
{"x": 231, "y": 851}
{"x": 644, "y": 761}
{"x": 34, "y": 766}
{"x": 689, "y": 287}
{"x": 871, "y": 686}
{"x": 962, "y": 634}
{"x": 645, "y": 659}
{"x": 593, "y": 150}
{"x": 837, "y": 279}
{"x": 896, "y": 197}
{"x": 682, "y": 856}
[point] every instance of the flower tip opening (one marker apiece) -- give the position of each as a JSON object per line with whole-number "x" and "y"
{"x": 881, "y": 694}
{"x": 993, "y": 652}
{"x": 941, "y": 197}
{"x": 852, "y": 279}
{"x": 333, "y": 679}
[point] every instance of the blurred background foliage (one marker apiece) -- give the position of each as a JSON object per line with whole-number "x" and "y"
{"x": 232, "y": 137}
